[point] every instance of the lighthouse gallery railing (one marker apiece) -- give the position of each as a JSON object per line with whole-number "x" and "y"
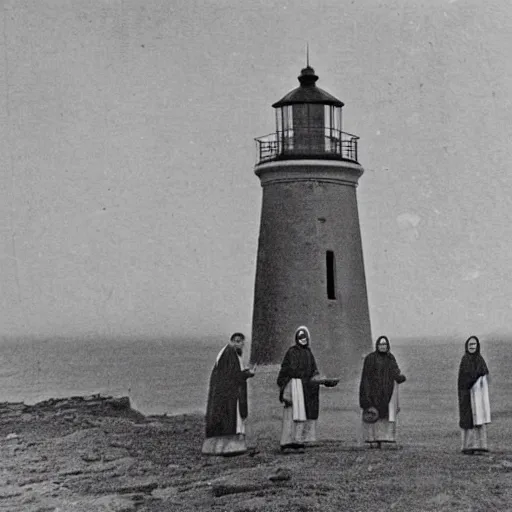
{"x": 326, "y": 143}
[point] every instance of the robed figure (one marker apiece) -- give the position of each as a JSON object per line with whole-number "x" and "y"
{"x": 473, "y": 392}
{"x": 378, "y": 394}
{"x": 299, "y": 382}
{"x": 227, "y": 410}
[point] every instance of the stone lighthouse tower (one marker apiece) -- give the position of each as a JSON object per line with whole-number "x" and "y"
{"x": 310, "y": 267}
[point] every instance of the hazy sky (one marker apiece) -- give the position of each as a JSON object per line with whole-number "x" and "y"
{"x": 128, "y": 200}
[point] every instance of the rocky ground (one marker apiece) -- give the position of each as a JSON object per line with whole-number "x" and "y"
{"x": 97, "y": 454}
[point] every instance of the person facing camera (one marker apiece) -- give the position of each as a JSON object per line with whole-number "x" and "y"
{"x": 473, "y": 393}
{"x": 299, "y": 382}
{"x": 378, "y": 394}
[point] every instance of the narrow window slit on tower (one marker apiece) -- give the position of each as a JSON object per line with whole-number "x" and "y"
{"x": 331, "y": 275}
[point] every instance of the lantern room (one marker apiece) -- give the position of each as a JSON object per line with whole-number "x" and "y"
{"x": 308, "y": 125}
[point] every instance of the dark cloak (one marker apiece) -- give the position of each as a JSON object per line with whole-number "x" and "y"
{"x": 299, "y": 363}
{"x": 380, "y": 372}
{"x": 228, "y": 385}
{"x": 472, "y": 367}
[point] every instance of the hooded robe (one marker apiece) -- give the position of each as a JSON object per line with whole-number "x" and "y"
{"x": 380, "y": 372}
{"x": 227, "y": 394}
{"x": 472, "y": 367}
{"x": 299, "y": 363}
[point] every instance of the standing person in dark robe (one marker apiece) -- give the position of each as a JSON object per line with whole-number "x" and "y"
{"x": 227, "y": 409}
{"x": 299, "y": 383}
{"x": 473, "y": 392}
{"x": 378, "y": 394}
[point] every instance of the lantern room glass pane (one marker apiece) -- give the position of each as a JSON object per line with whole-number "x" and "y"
{"x": 332, "y": 129}
{"x": 337, "y": 119}
{"x": 287, "y": 118}
{"x": 328, "y": 121}
{"x": 279, "y": 120}
{"x": 332, "y": 120}
{"x": 287, "y": 127}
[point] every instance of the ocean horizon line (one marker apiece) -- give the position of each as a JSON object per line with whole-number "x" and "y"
{"x": 220, "y": 338}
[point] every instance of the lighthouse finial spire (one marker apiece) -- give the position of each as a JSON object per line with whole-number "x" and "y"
{"x": 307, "y": 75}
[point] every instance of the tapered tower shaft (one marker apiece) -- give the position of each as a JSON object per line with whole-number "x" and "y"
{"x": 310, "y": 268}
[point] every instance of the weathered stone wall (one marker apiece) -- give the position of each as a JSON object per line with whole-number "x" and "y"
{"x": 309, "y": 208}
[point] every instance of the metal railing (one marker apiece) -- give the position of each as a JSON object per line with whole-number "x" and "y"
{"x": 325, "y": 143}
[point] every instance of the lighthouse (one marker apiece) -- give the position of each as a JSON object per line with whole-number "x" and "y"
{"x": 310, "y": 268}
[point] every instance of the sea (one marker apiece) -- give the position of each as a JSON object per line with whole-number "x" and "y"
{"x": 171, "y": 376}
{"x": 160, "y": 377}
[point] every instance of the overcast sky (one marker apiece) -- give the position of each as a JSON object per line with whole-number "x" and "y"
{"x": 128, "y": 202}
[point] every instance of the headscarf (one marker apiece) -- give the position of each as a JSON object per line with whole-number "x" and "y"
{"x": 477, "y": 345}
{"x": 472, "y": 366}
{"x": 299, "y": 330}
{"x": 380, "y": 372}
{"x": 377, "y": 345}
{"x": 299, "y": 363}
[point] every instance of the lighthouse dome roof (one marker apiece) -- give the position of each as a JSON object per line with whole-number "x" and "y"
{"x": 308, "y": 92}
